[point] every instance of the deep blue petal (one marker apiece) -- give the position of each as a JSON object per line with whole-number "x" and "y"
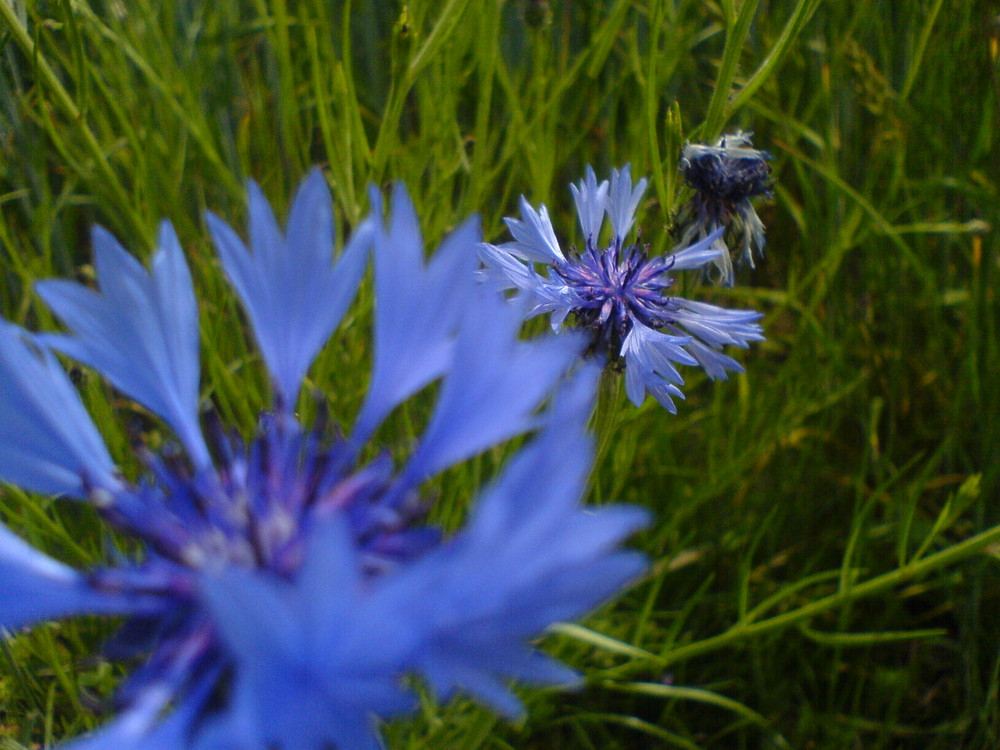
{"x": 140, "y": 332}
{"x": 495, "y": 384}
{"x": 292, "y": 292}
{"x": 417, "y": 311}
{"x": 49, "y": 443}
{"x": 34, "y": 587}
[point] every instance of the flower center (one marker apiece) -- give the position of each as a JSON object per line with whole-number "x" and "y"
{"x": 256, "y": 510}
{"x": 728, "y": 179}
{"x": 616, "y": 285}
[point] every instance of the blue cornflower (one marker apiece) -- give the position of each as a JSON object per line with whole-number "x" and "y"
{"x": 619, "y": 294}
{"x": 725, "y": 177}
{"x": 288, "y": 588}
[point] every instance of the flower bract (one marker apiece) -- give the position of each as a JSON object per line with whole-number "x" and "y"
{"x": 726, "y": 176}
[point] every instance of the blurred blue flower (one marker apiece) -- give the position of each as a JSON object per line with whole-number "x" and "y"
{"x": 725, "y": 177}
{"x": 289, "y": 589}
{"x": 618, "y": 293}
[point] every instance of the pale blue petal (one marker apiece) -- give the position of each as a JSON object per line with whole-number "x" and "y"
{"x": 50, "y": 445}
{"x": 753, "y": 232}
{"x": 706, "y": 250}
{"x": 635, "y": 388}
{"x": 140, "y": 332}
{"x": 534, "y": 238}
{"x": 718, "y": 326}
{"x": 293, "y": 294}
{"x": 649, "y": 357}
{"x": 623, "y": 201}
{"x": 729, "y": 146}
{"x": 664, "y": 393}
{"x": 659, "y": 349}
{"x": 417, "y": 309}
{"x": 591, "y": 201}
{"x": 503, "y": 271}
{"x": 723, "y": 261}
{"x": 552, "y": 297}
{"x": 714, "y": 362}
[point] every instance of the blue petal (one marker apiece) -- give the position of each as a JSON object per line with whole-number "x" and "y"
{"x": 530, "y": 553}
{"x": 494, "y": 385}
{"x": 591, "y": 201}
{"x": 623, "y": 200}
{"x": 141, "y": 331}
{"x": 706, "y": 250}
{"x": 313, "y": 667}
{"x": 452, "y": 671}
{"x": 553, "y": 297}
{"x": 718, "y": 326}
{"x": 34, "y": 587}
{"x": 723, "y": 261}
{"x": 49, "y": 443}
{"x": 656, "y": 350}
{"x": 649, "y": 355}
{"x": 417, "y": 309}
{"x": 505, "y": 271}
{"x": 534, "y": 238}
{"x": 253, "y": 616}
{"x": 292, "y": 293}
{"x": 715, "y": 363}
{"x": 139, "y": 727}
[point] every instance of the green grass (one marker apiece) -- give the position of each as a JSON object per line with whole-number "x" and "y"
{"x": 813, "y": 584}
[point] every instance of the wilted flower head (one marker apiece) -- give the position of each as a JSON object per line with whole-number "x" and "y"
{"x": 725, "y": 177}
{"x": 617, "y": 293}
{"x": 286, "y": 586}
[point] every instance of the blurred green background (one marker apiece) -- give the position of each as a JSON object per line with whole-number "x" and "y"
{"x": 860, "y": 446}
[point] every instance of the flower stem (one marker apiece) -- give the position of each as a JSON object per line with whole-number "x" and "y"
{"x": 75, "y": 117}
{"x": 604, "y": 421}
{"x": 747, "y": 628}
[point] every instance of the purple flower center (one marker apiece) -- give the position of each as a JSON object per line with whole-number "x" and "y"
{"x": 255, "y": 510}
{"x": 617, "y": 284}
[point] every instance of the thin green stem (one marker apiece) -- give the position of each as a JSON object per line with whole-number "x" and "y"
{"x": 796, "y": 22}
{"x": 745, "y": 630}
{"x": 918, "y": 55}
{"x": 736, "y": 37}
{"x": 605, "y": 418}
{"x": 66, "y": 102}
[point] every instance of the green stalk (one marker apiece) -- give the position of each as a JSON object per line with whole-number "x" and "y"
{"x": 799, "y": 18}
{"x": 746, "y": 630}
{"x": 918, "y": 55}
{"x": 403, "y": 81}
{"x": 187, "y": 111}
{"x": 605, "y": 418}
{"x": 51, "y": 82}
{"x": 736, "y": 37}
